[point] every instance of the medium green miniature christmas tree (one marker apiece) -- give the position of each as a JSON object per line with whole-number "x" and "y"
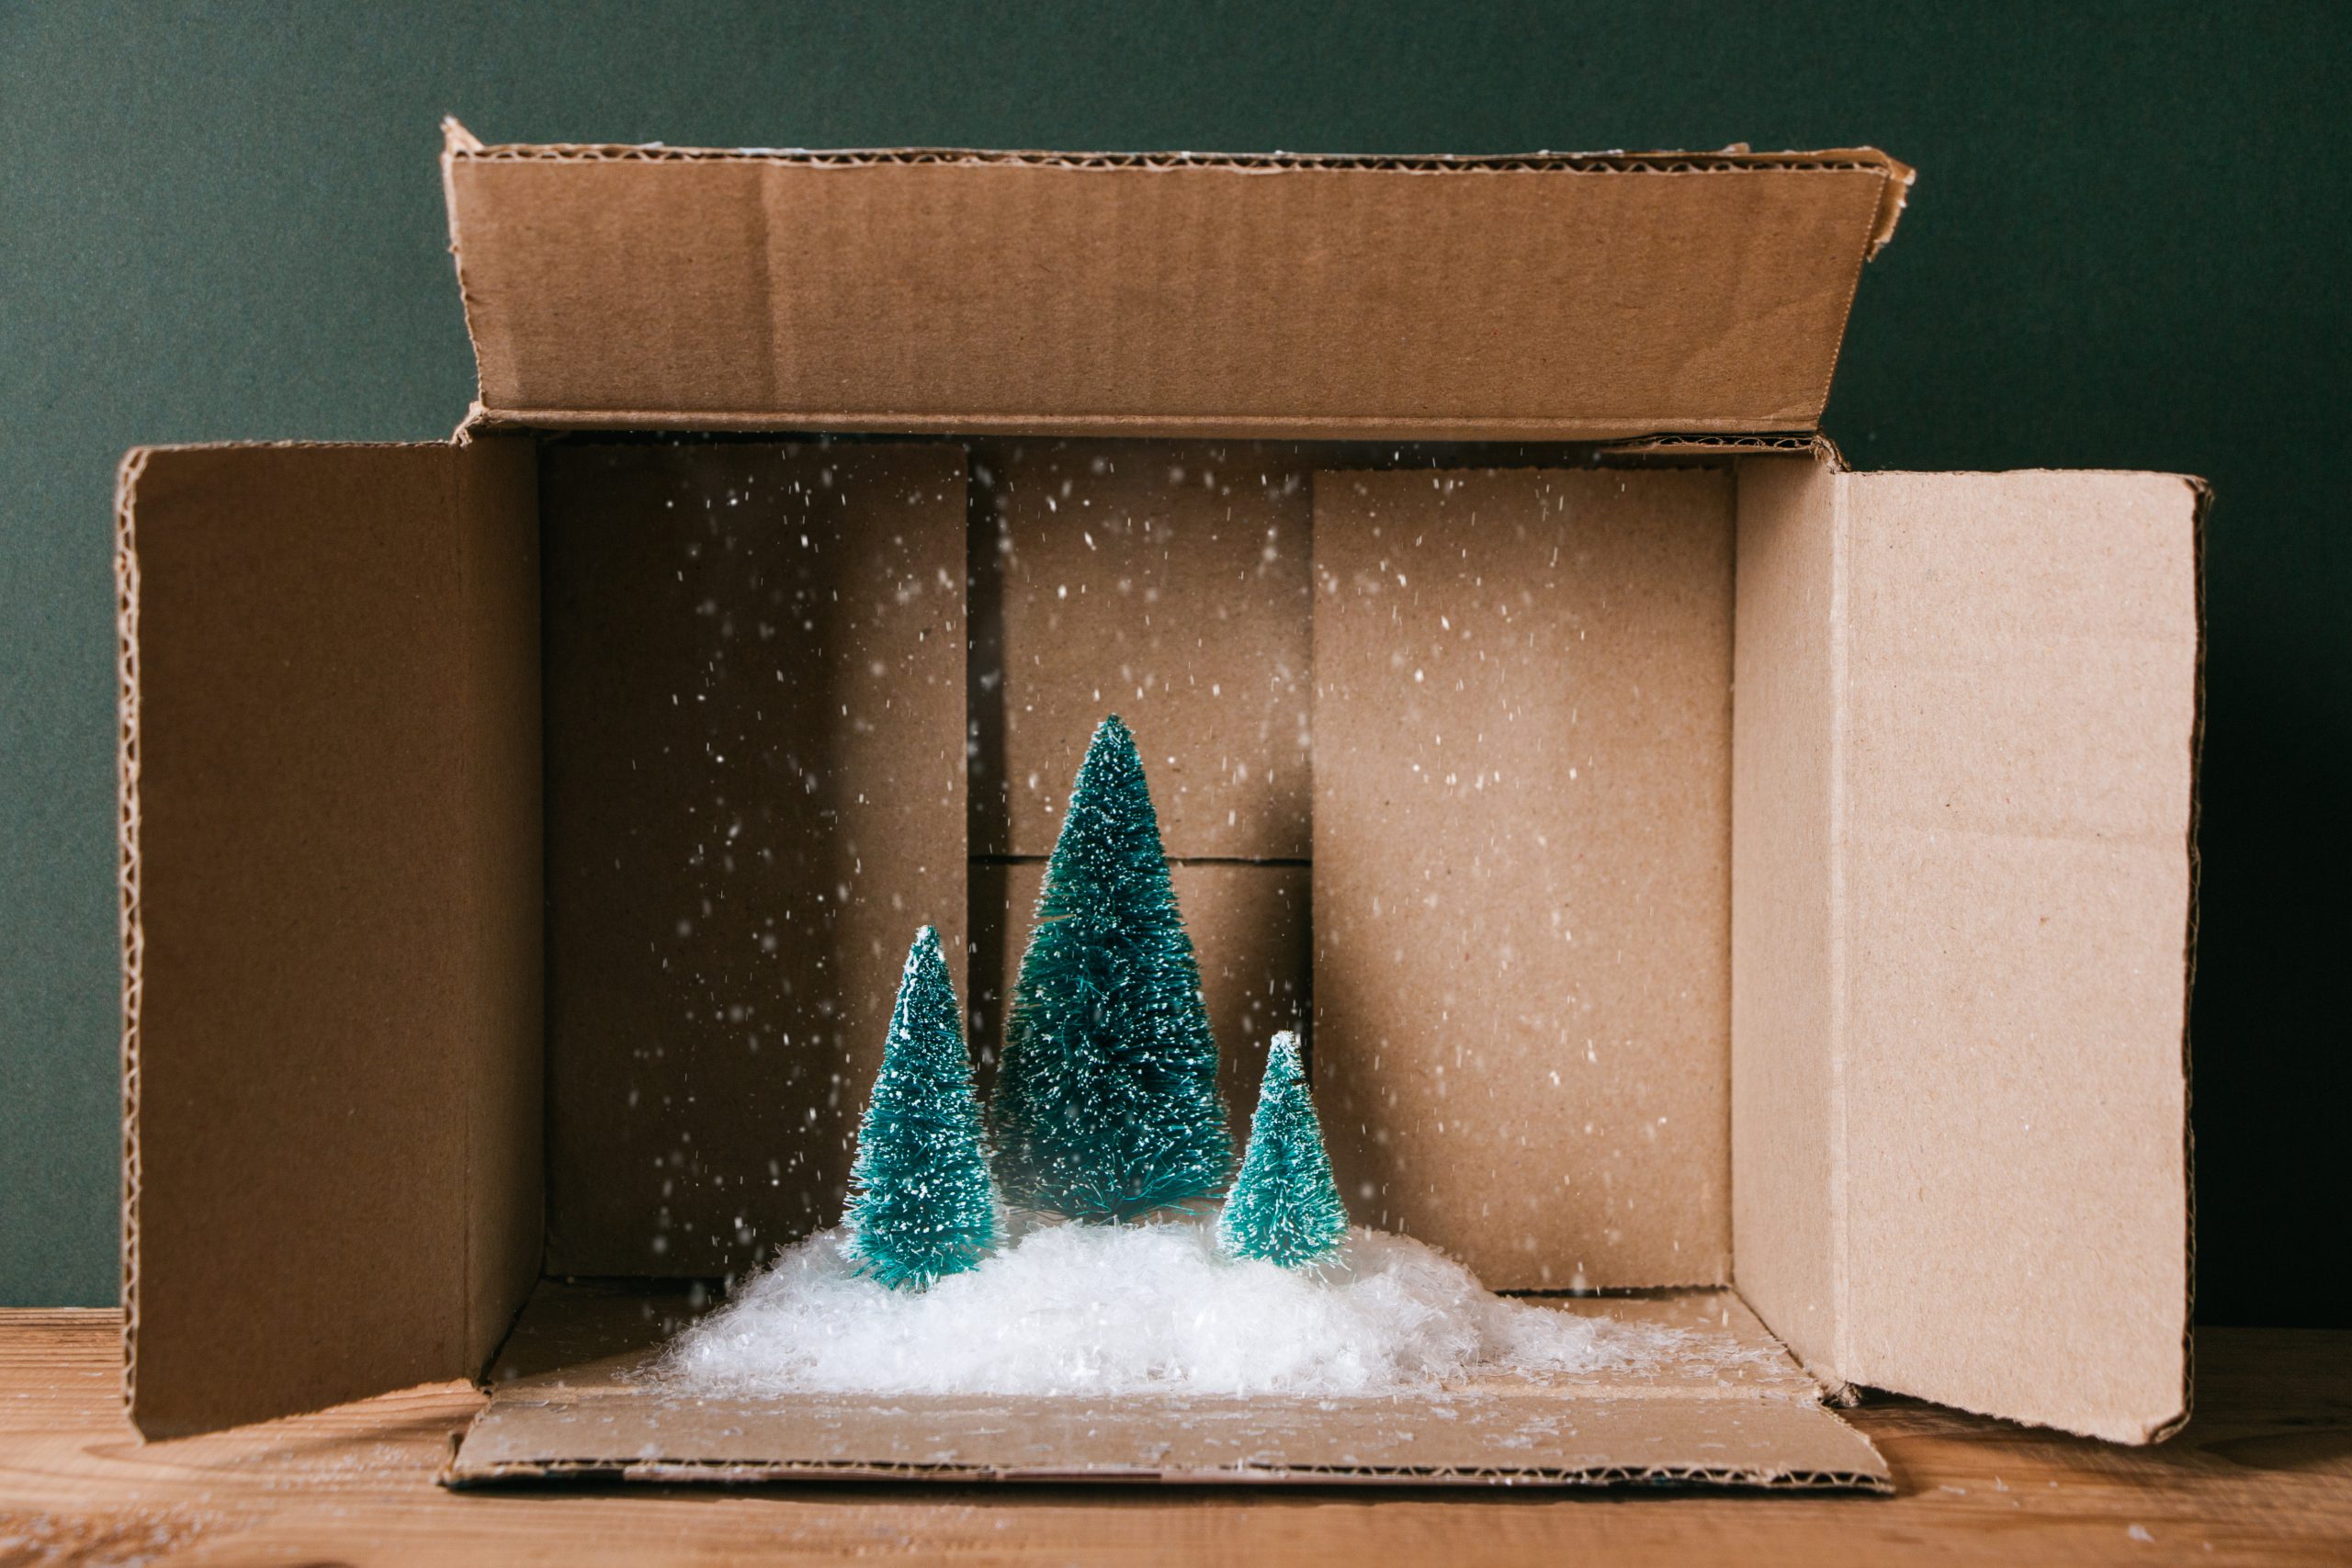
{"x": 1106, "y": 1106}
{"x": 1284, "y": 1207}
{"x": 923, "y": 1202}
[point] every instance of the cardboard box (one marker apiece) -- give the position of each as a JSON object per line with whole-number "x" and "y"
{"x": 1756, "y": 890}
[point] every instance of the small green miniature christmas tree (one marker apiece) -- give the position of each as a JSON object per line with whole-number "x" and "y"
{"x": 1285, "y": 1208}
{"x": 1106, "y": 1107}
{"x": 923, "y": 1203}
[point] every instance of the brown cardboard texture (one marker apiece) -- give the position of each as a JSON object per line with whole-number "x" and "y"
{"x": 331, "y": 1042}
{"x": 1366, "y": 298}
{"x": 1185, "y": 569}
{"x": 1702, "y": 874}
{"x": 1522, "y": 725}
{"x": 1961, "y": 910}
{"x": 756, "y": 793}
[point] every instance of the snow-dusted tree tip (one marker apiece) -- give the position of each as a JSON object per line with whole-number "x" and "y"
{"x": 1284, "y": 1206}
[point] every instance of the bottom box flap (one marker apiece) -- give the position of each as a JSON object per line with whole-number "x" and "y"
{"x": 578, "y": 1391}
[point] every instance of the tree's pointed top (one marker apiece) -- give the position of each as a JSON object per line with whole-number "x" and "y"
{"x": 923, "y": 956}
{"x": 1112, "y": 738}
{"x": 1281, "y": 1063}
{"x": 1111, "y": 793}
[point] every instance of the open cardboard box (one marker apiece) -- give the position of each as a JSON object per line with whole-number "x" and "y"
{"x": 1722, "y": 888}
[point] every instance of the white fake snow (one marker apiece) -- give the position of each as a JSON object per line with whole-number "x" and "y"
{"x": 1080, "y": 1309}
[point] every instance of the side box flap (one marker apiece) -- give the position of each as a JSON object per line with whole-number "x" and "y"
{"x": 1553, "y": 296}
{"x": 1994, "y": 737}
{"x": 331, "y": 921}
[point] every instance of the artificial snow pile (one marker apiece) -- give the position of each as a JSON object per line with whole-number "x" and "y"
{"x": 1094, "y": 1309}
{"x": 1105, "y": 1113}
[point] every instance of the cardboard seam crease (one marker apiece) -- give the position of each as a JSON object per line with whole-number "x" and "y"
{"x": 477, "y": 1066}
{"x": 1838, "y": 617}
{"x": 466, "y": 915}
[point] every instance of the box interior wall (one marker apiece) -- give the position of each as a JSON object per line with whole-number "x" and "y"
{"x": 719, "y": 968}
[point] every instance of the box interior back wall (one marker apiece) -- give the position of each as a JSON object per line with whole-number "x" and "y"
{"x": 731, "y": 766}
{"x": 1698, "y": 868}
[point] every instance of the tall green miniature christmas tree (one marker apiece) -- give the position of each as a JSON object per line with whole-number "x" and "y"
{"x": 1106, "y": 1106}
{"x": 1285, "y": 1208}
{"x": 923, "y": 1203}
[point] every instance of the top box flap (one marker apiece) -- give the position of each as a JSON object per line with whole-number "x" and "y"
{"x": 1549, "y": 296}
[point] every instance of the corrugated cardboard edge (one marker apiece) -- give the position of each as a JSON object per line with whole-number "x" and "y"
{"x": 2202, "y": 490}
{"x": 1796, "y": 444}
{"x": 1725, "y": 437}
{"x": 1901, "y": 177}
{"x": 126, "y": 578}
{"x": 456, "y": 140}
{"x": 460, "y": 142}
{"x": 742, "y": 1472}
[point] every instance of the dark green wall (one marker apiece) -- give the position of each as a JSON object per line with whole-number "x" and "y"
{"x": 2124, "y": 251}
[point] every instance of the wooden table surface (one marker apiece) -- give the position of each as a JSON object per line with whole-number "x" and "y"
{"x": 2264, "y": 1473}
